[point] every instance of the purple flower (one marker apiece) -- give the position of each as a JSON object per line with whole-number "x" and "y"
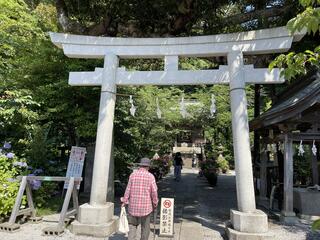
{"x": 6, "y": 145}
{"x": 20, "y": 164}
{"x": 38, "y": 171}
{"x": 35, "y": 184}
{"x": 10, "y": 155}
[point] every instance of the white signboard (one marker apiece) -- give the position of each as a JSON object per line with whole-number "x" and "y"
{"x": 166, "y": 217}
{"x": 75, "y": 165}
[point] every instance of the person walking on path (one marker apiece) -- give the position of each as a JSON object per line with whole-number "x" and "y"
{"x": 142, "y": 197}
{"x": 177, "y": 162}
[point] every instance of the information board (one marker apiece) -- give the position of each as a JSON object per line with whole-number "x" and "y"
{"x": 166, "y": 217}
{"x": 75, "y": 165}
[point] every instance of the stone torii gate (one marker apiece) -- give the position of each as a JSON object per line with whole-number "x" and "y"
{"x": 97, "y": 217}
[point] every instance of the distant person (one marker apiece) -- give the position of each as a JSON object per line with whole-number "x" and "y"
{"x": 177, "y": 162}
{"x": 142, "y": 197}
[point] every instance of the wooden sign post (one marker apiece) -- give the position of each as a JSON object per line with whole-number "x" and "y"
{"x": 75, "y": 165}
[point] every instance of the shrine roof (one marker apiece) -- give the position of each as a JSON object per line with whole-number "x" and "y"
{"x": 292, "y": 106}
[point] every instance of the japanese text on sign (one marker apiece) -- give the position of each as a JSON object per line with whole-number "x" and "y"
{"x": 166, "y": 216}
{"x": 75, "y": 165}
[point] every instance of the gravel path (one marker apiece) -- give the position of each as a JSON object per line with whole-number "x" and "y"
{"x": 200, "y": 213}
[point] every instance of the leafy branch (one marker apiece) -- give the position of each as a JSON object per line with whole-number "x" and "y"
{"x": 293, "y": 64}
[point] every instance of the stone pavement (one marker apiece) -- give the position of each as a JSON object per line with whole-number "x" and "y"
{"x": 200, "y": 210}
{"x": 200, "y": 213}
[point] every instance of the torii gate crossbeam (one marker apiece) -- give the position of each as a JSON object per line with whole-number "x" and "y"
{"x": 97, "y": 218}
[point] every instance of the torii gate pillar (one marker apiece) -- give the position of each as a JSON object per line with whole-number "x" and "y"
{"x": 247, "y": 221}
{"x": 97, "y": 217}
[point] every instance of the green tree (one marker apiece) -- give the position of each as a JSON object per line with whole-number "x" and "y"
{"x": 294, "y": 63}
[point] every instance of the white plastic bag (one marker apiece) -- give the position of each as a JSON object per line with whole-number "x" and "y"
{"x": 123, "y": 221}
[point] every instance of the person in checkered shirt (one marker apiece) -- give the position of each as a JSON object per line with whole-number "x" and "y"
{"x": 142, "y": 197}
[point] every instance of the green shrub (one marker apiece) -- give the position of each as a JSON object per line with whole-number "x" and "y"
{"x": 209, "y": 170}
{"x": 44, "y": 193}
{"x": 160, "y": 166}
{"x": 316, "y": 225}
{"x": 10, "y": 167}
{"x": 222, "y": 164}
{"x": 212, "y": 176}
{"x": 208, "y": 164}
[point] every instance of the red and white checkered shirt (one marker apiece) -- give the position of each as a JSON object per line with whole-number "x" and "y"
{"x": 141, "y": 193}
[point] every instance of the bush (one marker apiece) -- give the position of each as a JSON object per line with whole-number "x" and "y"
{"x": 222, "y": 164}
{"x": 45, "y": 192}
{"x": 10, "y": 167}
{"x": 212, "y": 176}
{"x": 160, "y": 166}
{"x": 316, "y": 225}
{"x": 210, "y": 171}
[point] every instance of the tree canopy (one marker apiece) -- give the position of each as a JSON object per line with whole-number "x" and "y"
{"x": 40, "y": 112}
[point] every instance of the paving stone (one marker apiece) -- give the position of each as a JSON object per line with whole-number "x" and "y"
{"x": 200, "y": 213}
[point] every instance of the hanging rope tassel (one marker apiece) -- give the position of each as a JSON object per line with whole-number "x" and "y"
{"x": 158, "y": 109}
{"x": 281, "y": 147}
{"x": 314, "y": 148}
{"x": 213, "y": 108}
{"x": 133, "y": 108}
{"x": 183, "y": 109}
{"x": 301, "y": 150}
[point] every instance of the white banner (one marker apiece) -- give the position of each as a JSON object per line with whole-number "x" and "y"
{"x": 166, "y": 217}
{"x": 75, "y": 165}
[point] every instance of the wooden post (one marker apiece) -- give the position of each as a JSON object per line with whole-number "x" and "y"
{"x": 17, "y": 204}
{"x": 263, "y": 174}
{"x": 66, "y": 202}
{"x": 315, "y": 171}
{"x": 288, "y": 215}
{"x": 30, "y": 201}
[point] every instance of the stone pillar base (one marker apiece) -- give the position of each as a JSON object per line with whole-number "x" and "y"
{"x": 236, "y": 235}
{"x": 248, "y": 226}
{"x": 96, "y": 230}
{"x": 289, "y": 217}
{"x": 255, "y": 222}
{"x": 97, "y": 221}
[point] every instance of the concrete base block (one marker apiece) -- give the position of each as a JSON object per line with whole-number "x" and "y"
{"x": 289, "y": 218}
{"x": 53, "y": 231}
{"x": 255, "y": 222}
{"x": 7, "y": 227}
{"x": 89, "y": 214}
{"x": 96, "y": 230}
{"x": 236, "y": 235}
{"x": 36, "y": 219}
